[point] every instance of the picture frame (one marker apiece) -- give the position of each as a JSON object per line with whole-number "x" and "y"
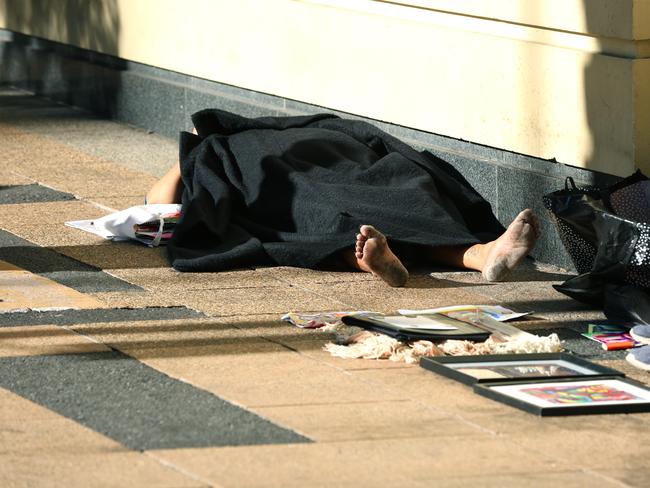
{"x": 582, "y": 396}
{"x": 516, "y": 367}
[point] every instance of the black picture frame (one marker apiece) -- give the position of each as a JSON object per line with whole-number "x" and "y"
{"x": 449, "y": 366}
{"x": 521, "y": 395}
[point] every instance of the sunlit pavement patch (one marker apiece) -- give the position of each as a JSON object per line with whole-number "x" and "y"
{"x": 134, "y": 404}
{"x": 22, "y": 290}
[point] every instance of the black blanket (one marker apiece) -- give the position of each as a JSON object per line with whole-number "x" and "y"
{"x": 293, "y": 191}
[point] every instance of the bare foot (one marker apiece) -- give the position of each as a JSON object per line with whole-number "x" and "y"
{"x": 374, "y": 256}
{"x": 505, "y": 253}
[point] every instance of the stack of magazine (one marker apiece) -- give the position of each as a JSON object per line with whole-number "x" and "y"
{"x": 147, "y": 232}
{"x": 425, "y": 326}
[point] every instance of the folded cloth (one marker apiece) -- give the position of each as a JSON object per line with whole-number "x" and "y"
{"x": 151, "y": 224}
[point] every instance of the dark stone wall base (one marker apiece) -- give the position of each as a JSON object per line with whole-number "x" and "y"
{"x": 162, "y": 101}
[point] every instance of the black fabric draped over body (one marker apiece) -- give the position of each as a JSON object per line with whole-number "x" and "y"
{"x": 293, "y": 191}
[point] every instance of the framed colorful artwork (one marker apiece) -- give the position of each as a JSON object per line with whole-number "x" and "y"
{"x": 570, "y": 396}
{"x": 485, "y": 369}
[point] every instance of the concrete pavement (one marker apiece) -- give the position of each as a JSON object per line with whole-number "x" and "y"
{"x": 151, "y": 377}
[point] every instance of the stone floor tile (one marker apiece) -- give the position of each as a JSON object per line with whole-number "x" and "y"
{"x": 135, "y": 299}
{"x": 121, "y": 202}
{"x": 210, "y": 330}
{"x": 170, "y": 279}
{"x": 634, "y": 477}
{"x": 366, "y": 421}
{"x": 366, "y": 463}
{"x": 48, "y": 213}
{"x": 248, "y": 301}
{"x": 564, "y": 479}
{"x": 129, "y": 146}
{"x": 84, "y": 469}
{"x": 36, "y": 340}
{"x": 630, "y": 371}
{"x": 580, "y": 440}
{"x": 276, "y": 330}
{"x": 54, "y": 235}
{"x": 432, "y": 390}
{"x": 117, "y": 255}
{"x": 31, "y": 155}
{"x": 56, "y": 434}
{"x": 21, "y": 290}
{"x": 14, "y": 408}
{"x": 303, "y": 276}
{"x": 379, "y": 297}
{"x": 172, "y": 333}
{"x": 92, "y": 181}
{"x": 9, "y": 178}
{"x": 256, "y": 372}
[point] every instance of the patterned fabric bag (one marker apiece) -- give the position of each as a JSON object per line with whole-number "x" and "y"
{"x": 606, "y": 232}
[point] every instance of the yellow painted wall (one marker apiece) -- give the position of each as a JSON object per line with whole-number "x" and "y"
{"x": 548, "y": 78}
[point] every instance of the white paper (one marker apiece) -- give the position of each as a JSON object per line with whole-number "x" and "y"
{"x": 497, "y": 312}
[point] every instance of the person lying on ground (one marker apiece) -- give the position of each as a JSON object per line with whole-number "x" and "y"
{"x": 294, "y": 191}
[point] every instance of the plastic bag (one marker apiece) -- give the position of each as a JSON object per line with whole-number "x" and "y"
{"x": 151, "y": 224}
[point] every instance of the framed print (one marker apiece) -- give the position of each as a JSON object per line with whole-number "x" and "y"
{"x": 570, "y": 397}
{"x": 484, "y": 369}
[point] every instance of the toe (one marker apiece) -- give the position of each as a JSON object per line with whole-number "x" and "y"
{"x": 366, "y": 231}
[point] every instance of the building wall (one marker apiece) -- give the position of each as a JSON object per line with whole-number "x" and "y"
{"x": 555, "y": 79}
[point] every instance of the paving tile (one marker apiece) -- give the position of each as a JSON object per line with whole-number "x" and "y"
{"x": 247, "y": 301}
{"x": 365, "y": 463}
{"x": 366, "y": 421}
{"x": 9, "y": 178}
{"x": 115, "y": 203}
{"x": 432, "y": 390}
{"x": 20, "y": 290}
{"x": 135, "y": 405}
{"x": 14, "y": 408}
{"x": 258, "y": 373}
{"x": 54, "y": 235}
{"x": 93, "y": 179}
{"x": 31, "y": 193}
{"x": 625, "y": 367}
{"x": 526, "y": 479}
{"x": 67, "y": 169}
{"x": 56, "y": 434}
{"x": 135, "y": 148}
{"x": 303, "y": 276}
{"x": 116, "y": 255}
{"x": 124, "y": 469}
{"x": 44, "y": 339}
{"x": 45, "y": 158}
{"x": 624, "y": 438}
{"x": 107, "y": 316}
{"x": 135, "y": 299}
{"x": 150, "y": 334}
{"x": 18, "y": 215}
{"x": 170, "y": 279}
{"x": 271, "y": 327}
{"x": 636, "y": 476}
{"x": 377, "y": 296}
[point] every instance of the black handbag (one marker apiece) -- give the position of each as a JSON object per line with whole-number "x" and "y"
{"x": 606, "y": 232}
